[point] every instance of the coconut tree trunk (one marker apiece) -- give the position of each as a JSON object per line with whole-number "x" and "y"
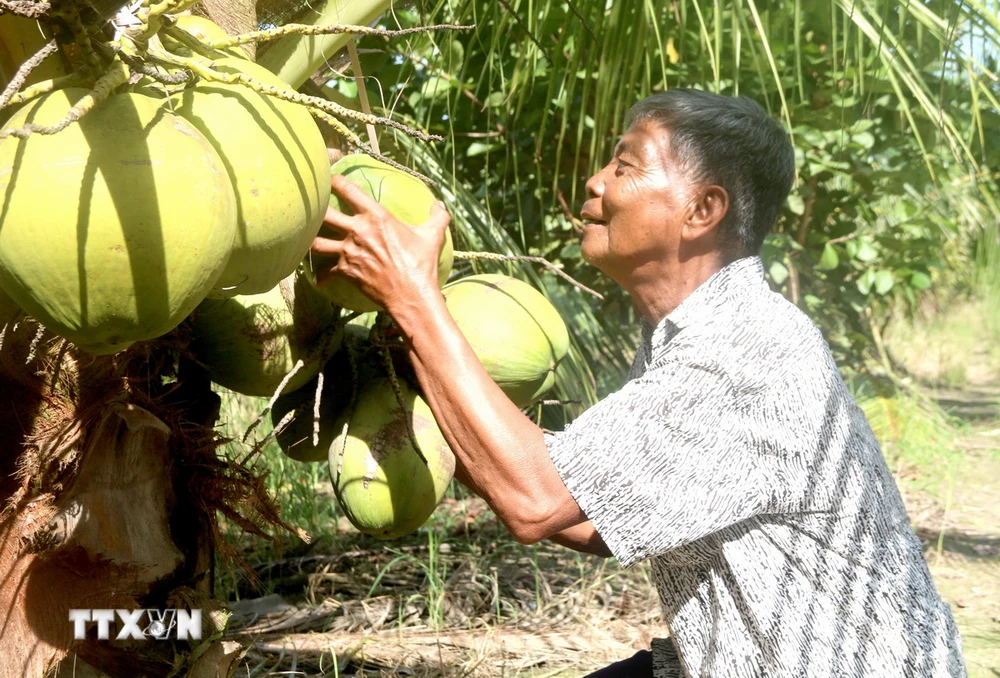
{"x": 110, "y": 491}
{"x": 110, "y": 484}
{"x": 235, "y": 16}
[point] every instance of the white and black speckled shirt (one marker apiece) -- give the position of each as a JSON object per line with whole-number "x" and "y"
{"x": 736, "y": 459}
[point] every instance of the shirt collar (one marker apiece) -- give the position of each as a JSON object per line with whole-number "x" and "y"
{"x": 706, "y": 301}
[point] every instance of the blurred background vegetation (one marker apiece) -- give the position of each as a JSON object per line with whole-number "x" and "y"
{"x": 892, "y": 108}
{"x": 890, "y": 241}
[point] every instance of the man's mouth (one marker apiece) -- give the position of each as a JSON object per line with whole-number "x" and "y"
{"x": 587, "y": 223}
{"x": 587, "y": 220}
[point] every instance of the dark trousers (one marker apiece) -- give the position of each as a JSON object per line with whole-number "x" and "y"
{"x": 639, "y": 665}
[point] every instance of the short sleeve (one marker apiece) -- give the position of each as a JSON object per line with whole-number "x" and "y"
{"x": 663, "y": 462}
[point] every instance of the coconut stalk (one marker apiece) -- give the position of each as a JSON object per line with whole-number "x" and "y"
{"x": 296, "y": 57}
{"x": 235, "y": 16}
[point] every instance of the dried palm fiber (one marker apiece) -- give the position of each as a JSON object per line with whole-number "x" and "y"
{"x": 111, "y": 492}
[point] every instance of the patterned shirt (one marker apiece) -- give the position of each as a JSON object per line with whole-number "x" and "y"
{"x": 736, "y": 459}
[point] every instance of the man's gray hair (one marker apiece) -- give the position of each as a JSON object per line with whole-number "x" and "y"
{"x": 729, "y": 142}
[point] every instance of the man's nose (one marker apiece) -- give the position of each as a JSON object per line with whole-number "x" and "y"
{"x": 595, "y": 185}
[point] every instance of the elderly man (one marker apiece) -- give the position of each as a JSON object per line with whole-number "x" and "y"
{"x": 734, "y": 457}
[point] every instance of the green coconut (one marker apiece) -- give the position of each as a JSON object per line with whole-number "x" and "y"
{"x": 279, "y": 166}
{"x": 113, "y": 230}
{"x": 296, "y": 438}
{"x": 518, "y": 336}
{"x": 250, "y": 343}
{"x": 383, "y": 485}
{"x": 405, "y": 197}
{"x": 205, "y": 30}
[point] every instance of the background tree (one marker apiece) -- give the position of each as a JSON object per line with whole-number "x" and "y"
{"x": 892, "y": 109}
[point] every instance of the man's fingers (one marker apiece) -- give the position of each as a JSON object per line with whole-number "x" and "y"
{"x": 439, "y": 215}
{"x": 323, "y": 275}
{"x": 337, "y": 221}
{"x": 438, "y": 220}
{"x": 353, "y": 196}
{"x": 327, "y": 246}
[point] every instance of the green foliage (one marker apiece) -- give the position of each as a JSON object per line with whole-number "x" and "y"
{"x": 892, "y": 110}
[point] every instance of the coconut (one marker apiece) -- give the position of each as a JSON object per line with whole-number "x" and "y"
{"x": 249, "y": 343}
{"x": 205, "y": 30}
{"x": 296, "y": 438}
{"x": 115, "y": 228}
{"x": 280, "y": 169}
{"x": 518, "y": 336}
{"x": 383, "y": 485}
{"x": 405, "y": 197}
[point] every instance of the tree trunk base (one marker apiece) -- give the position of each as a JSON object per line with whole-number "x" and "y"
{"x": 111, "y": 487}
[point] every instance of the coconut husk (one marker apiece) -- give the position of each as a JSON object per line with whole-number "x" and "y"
{"x": 111, "y": 491}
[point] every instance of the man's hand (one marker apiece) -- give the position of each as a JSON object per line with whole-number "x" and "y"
{"x": 501, "y": 454}
{"x": 390, "y": 262}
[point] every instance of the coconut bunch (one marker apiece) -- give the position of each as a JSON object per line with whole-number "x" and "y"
{"x": 364, "y": 414}
{"x": 189, "y": 184}
{"x": 161, "y": 168}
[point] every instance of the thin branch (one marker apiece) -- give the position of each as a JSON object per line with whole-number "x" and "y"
{"x": 490, "y": 256}
{"x": 102, "y": 90}
{"x": 299, "y": 364}
{"x": 318, "y": 399}
{"x": 25, "y": 8}
{"x": 325, "y": 105}
{"x": 137, "y": 65}
{"x": 46, "y": 86}
{"x": 332, "y": 29}
{"x": 583, "y": 21}
{"x": 25, "y": 70}
{"x": 359, "y": 80}
{"x": 524, "y": 26}
{"x": 567, "y": 212}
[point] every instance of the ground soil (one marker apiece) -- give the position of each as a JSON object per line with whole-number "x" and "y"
{"x": 959, "y": 520}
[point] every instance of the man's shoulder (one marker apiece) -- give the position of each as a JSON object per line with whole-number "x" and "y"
{"x": 759, "y": 330}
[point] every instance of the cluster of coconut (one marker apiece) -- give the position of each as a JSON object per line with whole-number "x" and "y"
{"x": 201, "y": 202}
{"x": 354, "y": 403}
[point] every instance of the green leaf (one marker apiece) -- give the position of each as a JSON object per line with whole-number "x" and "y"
{"x": 347, "y": 88}
{"x": 495, "y": 100}
{"x": 796, "y": 203}
{"x": 866, "y": 251}
{"x": 453, "y": 54}
{"x": 865, "y": 281}
{"x": 884, "y": 281}
{"x": 435, "y": 86}
{"x": 570, "y": 251}
{"x": 920, "y": 280}
{"x": 864, "y": 139}
{"x": 479, "y": 148}
{"x": 778, "y": 272}
{"x": 829, "y": 260}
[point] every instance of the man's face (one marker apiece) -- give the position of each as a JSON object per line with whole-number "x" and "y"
{"x": 637, "y": 204}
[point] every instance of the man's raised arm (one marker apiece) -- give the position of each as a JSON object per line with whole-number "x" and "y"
{"x": 501, "y": 453}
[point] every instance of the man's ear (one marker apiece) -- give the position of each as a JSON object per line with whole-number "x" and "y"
{"x": 709, "y": 209}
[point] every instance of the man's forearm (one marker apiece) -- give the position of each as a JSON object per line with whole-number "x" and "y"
{"x": 501, "y": 452}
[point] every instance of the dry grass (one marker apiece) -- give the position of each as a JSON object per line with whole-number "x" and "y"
{"x": 459, "y": 598}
